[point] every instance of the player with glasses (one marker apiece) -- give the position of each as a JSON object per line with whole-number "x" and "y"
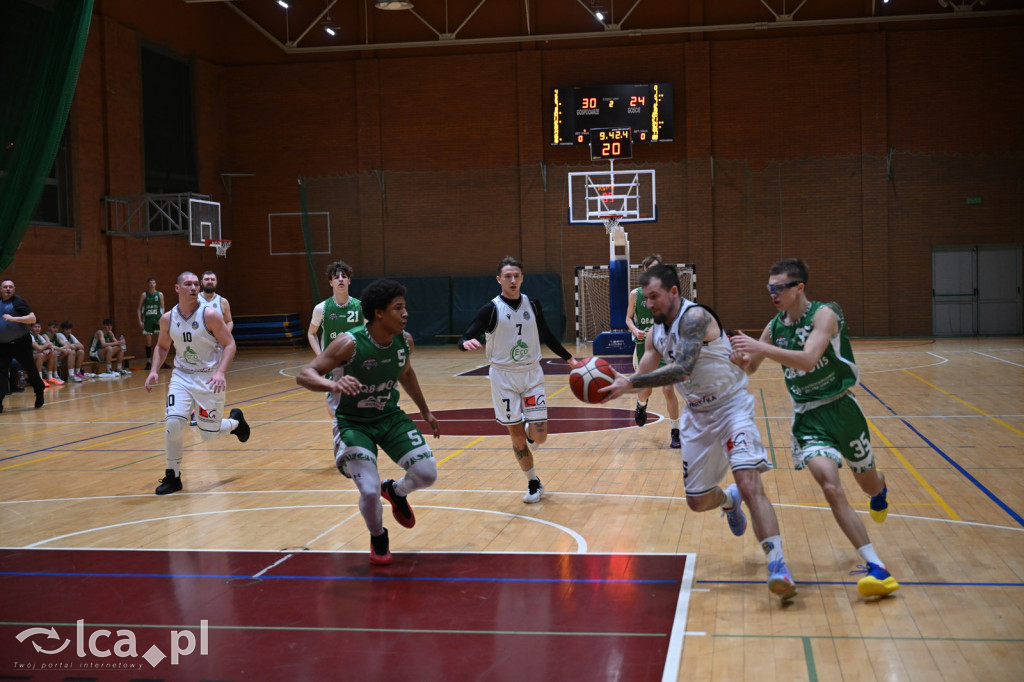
{"x": 811, "y": 341}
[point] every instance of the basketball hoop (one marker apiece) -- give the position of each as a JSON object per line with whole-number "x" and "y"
{"x": 222, "y": 246}
{"x": 611, "y": 224}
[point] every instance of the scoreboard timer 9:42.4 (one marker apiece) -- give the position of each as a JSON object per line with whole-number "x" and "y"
{"x": 645, "y": 109}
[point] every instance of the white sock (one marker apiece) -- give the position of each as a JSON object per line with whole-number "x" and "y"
{"x": 727, "y": 504}
{"x": 867, "y": 553}
{"x": 531, "y": 475}
{"x": 642, "y": 404}
{"x": 772, "y": 548}
{"x": 673, "y": 423}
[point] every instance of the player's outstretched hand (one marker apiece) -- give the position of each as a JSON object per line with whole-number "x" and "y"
{"x": 472, "y": 344}
{"x": 574, "y": 363}
{"x": 218, "y": 382}
{"x": 620, "y": 386}
{"x": 153, "y": 378}
{"x": 429, "y": 417}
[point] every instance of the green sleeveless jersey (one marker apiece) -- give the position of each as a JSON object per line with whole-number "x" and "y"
{"x": 643, "y": 318}
{"x": 151, "y": 304}
{"x": 835, "y": 372}
{"x": 339, "y": 319}
{"x": 378, "y": 370}
{"x": 95, "y": 346}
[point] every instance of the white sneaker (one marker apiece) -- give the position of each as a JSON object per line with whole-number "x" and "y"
{"x": 107, "y": 375}
{"x": 126, "y": 371}
{"x": 89, "y": 375}
{"x": 534, "y": 493}
{"x": 74, "y": 378}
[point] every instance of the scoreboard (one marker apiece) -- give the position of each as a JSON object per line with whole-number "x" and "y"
{"x": 644, "y": 109}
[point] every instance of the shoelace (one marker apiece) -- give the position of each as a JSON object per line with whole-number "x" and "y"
{"x": 862, "y": 570}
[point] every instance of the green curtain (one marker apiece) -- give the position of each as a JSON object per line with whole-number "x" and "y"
{"x": 43, "y": 75}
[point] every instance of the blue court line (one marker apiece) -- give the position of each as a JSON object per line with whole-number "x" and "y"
{"x": 978, "y": 484}
{"x": 569, "y": 581}
{"x": 845, "y": 583}
{"x": 64, "y": 446}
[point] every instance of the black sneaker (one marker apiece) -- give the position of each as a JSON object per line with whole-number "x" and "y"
{"x": 169, "y": 483}
{"x": 242, "y": 430}
{"x": 149, "y": 365}
{"x": 39, "y": 399}
{"x": 640, "y": 416}
{"x": 676, "y": 443}
{"x": 534, "y": 491}
{"x": 400, "y": 508}
{"x": 380, "y": 549}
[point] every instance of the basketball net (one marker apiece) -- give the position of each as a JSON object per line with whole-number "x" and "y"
{"x": 222, "y": 246}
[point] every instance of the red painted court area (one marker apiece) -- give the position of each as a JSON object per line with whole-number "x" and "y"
{"x": 320, "y": 616}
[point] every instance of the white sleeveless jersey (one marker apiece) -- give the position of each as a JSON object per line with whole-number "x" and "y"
{"x": 214, "y": 303}
{"x": 515, "y": 343}
{"x": 196, "y": 347}
{"x": 715, "y": 378}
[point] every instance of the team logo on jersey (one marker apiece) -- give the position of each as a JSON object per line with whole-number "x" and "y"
{"x": 526, "y": 315}
{"x": 508, "y": 316}
{"x": 369, "y": 363}
{"x": 334, "y": 316}
{"x": 195, "y": 324}
{"x": 782, "y": 342}
{"x": 212, "y": 414}
{"x": 519, "y": 351}
{"x": 533, "y": 401}
{"x": 190, "y": 356}
{"x": 738, "y": 440}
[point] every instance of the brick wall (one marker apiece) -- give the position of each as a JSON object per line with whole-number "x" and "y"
{"x": 780, "y": 149}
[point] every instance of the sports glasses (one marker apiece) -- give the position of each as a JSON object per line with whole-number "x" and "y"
{"x": 779, "y": 288}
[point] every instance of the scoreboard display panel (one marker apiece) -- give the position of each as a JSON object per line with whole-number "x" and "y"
{"x": 645, "y": 109}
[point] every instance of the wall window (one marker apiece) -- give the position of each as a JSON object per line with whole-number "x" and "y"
{"x": 168, "y": 125}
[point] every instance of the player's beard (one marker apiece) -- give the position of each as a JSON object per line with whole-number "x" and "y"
{"x": 209, "y": 290}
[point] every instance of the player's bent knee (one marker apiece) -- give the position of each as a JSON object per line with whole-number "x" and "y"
{"x": 423, "y": 473}
{"x": 174, "y": 427}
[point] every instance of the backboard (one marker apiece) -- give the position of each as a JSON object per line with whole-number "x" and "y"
{"x": 595, "y": 196}
{"x": 204, "y": 221}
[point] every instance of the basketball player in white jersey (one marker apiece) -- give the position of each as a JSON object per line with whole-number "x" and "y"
{"x": 515, "y": 326}
{"x": 718, "y": 429}
{"x": 204, "y": 349}
{"x": 208, "y": 296}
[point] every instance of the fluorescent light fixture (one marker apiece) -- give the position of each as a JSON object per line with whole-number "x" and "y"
{"x": 330, "y": 30}
{"x": 282, "y": 3}
{"x": 600, "y": 15}
{"x": 394, "y": 4}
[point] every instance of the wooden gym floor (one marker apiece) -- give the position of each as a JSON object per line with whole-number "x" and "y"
{"x": 610, "y": 577}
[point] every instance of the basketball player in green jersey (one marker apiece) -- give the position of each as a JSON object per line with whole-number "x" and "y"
{"x": 338, "y": 313}
{"x": 811, "y": 342}
{"x": 151, "y": 309}
{"x": 640, "y": 319}
{"x": 367, "y": 365}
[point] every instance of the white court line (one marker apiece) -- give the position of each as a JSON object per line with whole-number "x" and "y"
{"x": 581, "y": 544}
{"x": 900, "y": 369}
{"x": 999, "y": 359}
{"x": 279, "y": 561}
{"x": 580, "y": 541}
{"x": 305, "y": 545}
{"x": 674, "y": 655}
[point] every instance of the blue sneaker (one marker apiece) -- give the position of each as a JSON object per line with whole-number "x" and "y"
{"x": 880, "y": 506}
{"x": 735, "y": 516}
{"x": 876, "y": 583}
{"x": 779, "y": 580}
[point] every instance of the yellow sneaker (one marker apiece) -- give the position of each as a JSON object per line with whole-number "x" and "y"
{"x": 876, "y": 583}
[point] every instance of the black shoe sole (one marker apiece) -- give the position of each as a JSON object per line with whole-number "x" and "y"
{"x": 167, "y": 489}
{"x": 386, "y": 490}
{"x": 241, "y": 431}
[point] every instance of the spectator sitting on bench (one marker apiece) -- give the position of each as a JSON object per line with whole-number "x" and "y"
{"x": 106, "y": 350}
{"x": 44, "y": 353}
{"x": 75, "y": 349}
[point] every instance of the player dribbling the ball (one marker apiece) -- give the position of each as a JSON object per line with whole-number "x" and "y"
{"x": 719, "y": 432}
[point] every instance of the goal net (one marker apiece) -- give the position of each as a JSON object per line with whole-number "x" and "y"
{"x": 593, "y": 314}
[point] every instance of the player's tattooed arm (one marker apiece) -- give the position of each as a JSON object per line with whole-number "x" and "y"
{"x": 693, "y": 328}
